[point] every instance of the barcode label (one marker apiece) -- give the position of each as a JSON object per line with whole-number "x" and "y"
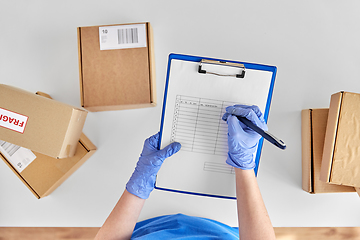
{"x": 19, "y": 157}
{"x": 126, "y": 36}
{"x": 9, "y": 148}
{"x": 122, "y": 36}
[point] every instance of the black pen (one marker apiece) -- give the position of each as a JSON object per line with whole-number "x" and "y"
{"x": 268, "y": 136}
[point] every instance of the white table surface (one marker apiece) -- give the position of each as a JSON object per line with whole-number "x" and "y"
{"x": 314, "y": 44}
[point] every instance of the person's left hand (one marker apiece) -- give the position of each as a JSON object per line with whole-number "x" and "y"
{"x": 142, "y": 181}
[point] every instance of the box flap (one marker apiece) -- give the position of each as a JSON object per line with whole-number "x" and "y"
{"x": 319, "y": 121}
{"x": 74, "y": 130}
{"x": 73, "y": 133}
{"x": 330, "y": 136}
{"x": 346, "y": 157}
{"x": 85, "y": 141}
{"x": 152, "y": 64}
{"x": 306, "y": 146}
{"x": 43, "y": 94}
{"x": 119, "y": 107}
{"x": 80, "y": 67}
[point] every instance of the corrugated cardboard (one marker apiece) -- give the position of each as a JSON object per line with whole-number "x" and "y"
{"x": 341, "y": 156}
{"x": 45, "y": 173}
{"x": 115, "y": 79}
{"x": 313, "y": 127}
{"x": 52, "y": 128}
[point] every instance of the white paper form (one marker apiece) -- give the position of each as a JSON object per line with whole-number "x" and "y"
{"x": 195, "y": 104}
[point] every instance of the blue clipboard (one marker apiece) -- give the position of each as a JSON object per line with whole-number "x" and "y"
{"x": 247, "y": 66}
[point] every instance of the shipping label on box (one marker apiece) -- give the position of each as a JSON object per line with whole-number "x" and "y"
{"x": 19, "y": 157}
{"x": 123, "y": 36}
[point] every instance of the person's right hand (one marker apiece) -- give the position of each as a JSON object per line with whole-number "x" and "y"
{"x": 242, "y": 140}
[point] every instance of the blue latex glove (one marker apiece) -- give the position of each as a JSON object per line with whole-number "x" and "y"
{"x": 242, "y": 140}
{"x": 142, "y": 181}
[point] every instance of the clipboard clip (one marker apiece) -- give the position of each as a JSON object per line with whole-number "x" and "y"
{"x": 230, "y": 64}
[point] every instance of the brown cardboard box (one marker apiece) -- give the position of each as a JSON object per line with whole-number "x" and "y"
{"x": 115, "y": 79}
{"x": 38, "y": 123}
{"x": 341, "y": 156}
{"x": 44, "y": 174}
{"x": 313, "y": 126}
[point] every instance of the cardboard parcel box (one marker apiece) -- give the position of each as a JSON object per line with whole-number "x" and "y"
{"x": 313, "y": 127}
{"x": 341, "y": 156}
{"x": 43, "y": 174}
{"x": 116, "y": 67}
{"x": 40, "y": 173}
{"x": 38, "y": 123}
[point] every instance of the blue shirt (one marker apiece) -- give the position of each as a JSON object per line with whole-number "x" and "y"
{"x": 180, "y": 226}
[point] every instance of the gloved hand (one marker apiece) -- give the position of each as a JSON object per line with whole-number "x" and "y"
{"x": 242, "y": 140}
{"x": 142, "y": 181}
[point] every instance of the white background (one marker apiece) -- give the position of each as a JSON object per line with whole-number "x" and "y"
{"x": 314, "y": 44}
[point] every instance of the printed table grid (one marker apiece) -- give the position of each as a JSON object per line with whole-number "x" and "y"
{"x": 198, "y": 126}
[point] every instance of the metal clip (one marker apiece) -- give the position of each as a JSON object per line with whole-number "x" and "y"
{"x": 230, "y": 64}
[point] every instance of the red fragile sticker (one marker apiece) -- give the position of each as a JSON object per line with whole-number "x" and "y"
{"x": 12, "y": 120}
